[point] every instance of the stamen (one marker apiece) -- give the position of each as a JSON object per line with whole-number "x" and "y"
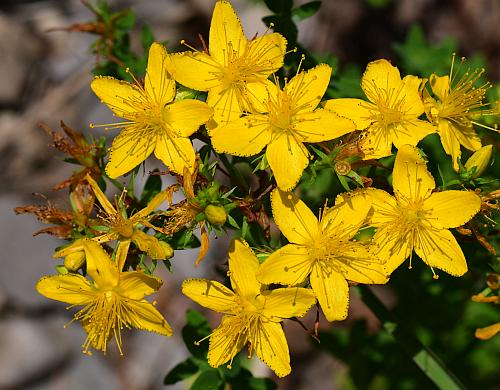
{"x": 183, "y": 42}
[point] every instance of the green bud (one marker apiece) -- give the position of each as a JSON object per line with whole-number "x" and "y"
{"x": 216, "y": 215}
{"x": 479, "y": 160}
{"x": 74, "y": 261}
{"x": 168, "y": 251}
{"x": 61, "y": 270}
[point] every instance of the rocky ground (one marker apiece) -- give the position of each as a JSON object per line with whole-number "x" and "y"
{"x": 44, "y": 77}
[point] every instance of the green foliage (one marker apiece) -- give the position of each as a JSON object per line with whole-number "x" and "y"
{"x": 114, "y": 54}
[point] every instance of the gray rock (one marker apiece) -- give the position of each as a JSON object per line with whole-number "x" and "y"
{"x": 29, "y": 351}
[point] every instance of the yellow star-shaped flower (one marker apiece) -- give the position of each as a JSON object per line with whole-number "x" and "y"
{"x": 235, "y": 70}
{"x": 391, "y": 115}
{"x": 112, "y": 301}
{"x": 286, "y": 119}
{"x": 322, "y": 250}
{"x": 153, "y": 121}
{"x": 252, "y": 314}
{"x": 454, "y": 111}
{"x": 418, "y": 219}
{"x": 129, "y": 229}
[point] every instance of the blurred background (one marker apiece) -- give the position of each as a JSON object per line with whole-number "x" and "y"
{"x": 44, "y": 77}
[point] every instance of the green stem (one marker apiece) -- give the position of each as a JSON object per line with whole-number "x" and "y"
{"x": 421, "y": 355}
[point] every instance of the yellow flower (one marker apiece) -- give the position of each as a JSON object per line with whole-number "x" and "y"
{"x": 286, "y": 120}
{"x": 153, "y": 121}
{"x": 323, "y": 250}
{"x": 112, "y": 301}
{"x": 417, "y": 219}
{"x": 459, "y": 101}
{"x": 236, "y": 70}
{"x": 252, "y": 314}
{"x": 129, "y": 229}
{"x": 391, "y": 115}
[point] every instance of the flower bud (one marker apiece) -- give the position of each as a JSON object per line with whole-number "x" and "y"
{"x": 168, "y": 251}
{"x": 216, "y": 215}
{"x": 74, "y": 261}
{"x": 479, "y": 160}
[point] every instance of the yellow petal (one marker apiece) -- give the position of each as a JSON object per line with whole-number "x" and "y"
{"x": 269, "y": 344}
{"x": 148, "y": 244}
{"x": 307, "y": 88}
{"x": 159, "y": 83}
{"x": 359, "y": 264}
{"x": 295, "y": 220}
{"x": 122, "y": 253}
{"x": 488, "y": 332}
{"x": 71, "y": 288}
{"x": 153, "y": 204}
{"x": 384, "y": 207}
{"x": 210, "y": 294}
{"x": 266, "y": 54}
{"x": 226, "y": 341}
{"x": 136, "y": 284}
{"x": 376, "y": 142}
{"x": 226, "y": 34}
{"x": 289, "y": 265}
{"x": 450, "y": 142}
{"x": 411, "y": 132}
{"x": 143, "y": 315}
{"x": 243, "y": 265}
{"x": 466, "y": 135}
{"x": 391, "y": 247}
{"x": 322, "y": 125}
{"x": 257, "y": 95}
{"x": 411, "y": 102}
{"x": 349, "y": 213}
{"x": 438, "y": 248}
{"x": 205, "y": 244}
{"x": 245, "y": 136}
{"x": 227, "y": 104}
{"x": 186, "y": 116}
{"x": 380, "y": 76}
{"x": 449, "y": 209}
{"x": 411, "y": 179}
{"x": 440, "y": 86}
{"x": 197, "y": 70}
{"x": 287, "y": 302}
{"x": 355, "y": 109}
{"x": 332, "y": 292}
{"x": 123, "y": 98}
{"x": 100, "y": 267}
{"x": 130, "y": 148}
{"x": 101, "y": 197}
{"x": 176, "y": 153}
{"x": 287, "y": 158}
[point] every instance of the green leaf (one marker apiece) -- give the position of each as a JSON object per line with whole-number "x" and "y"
{"x": 305, "y": 10}
{"x": 243, "y": 379}
{"x": 146, "y": 36}
{"x": 196, "y": 328}
{"x": 421, "y": 58}
{"x": 126, "y": 21}
{"x": 151, "y": 188}
{"x": 185, "y": 239}
{"x": 279, "y": 6}
{"x": 180, "y": 372}
{"x": 208, "y": 380}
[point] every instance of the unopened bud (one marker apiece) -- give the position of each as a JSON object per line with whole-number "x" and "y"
{"x": 168, "y": 251}
{"x": 74, "y": 261}
{"x": 342, "y": 168}
{"x": 216, "y": 215}
{"x": 479, "y": 160}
